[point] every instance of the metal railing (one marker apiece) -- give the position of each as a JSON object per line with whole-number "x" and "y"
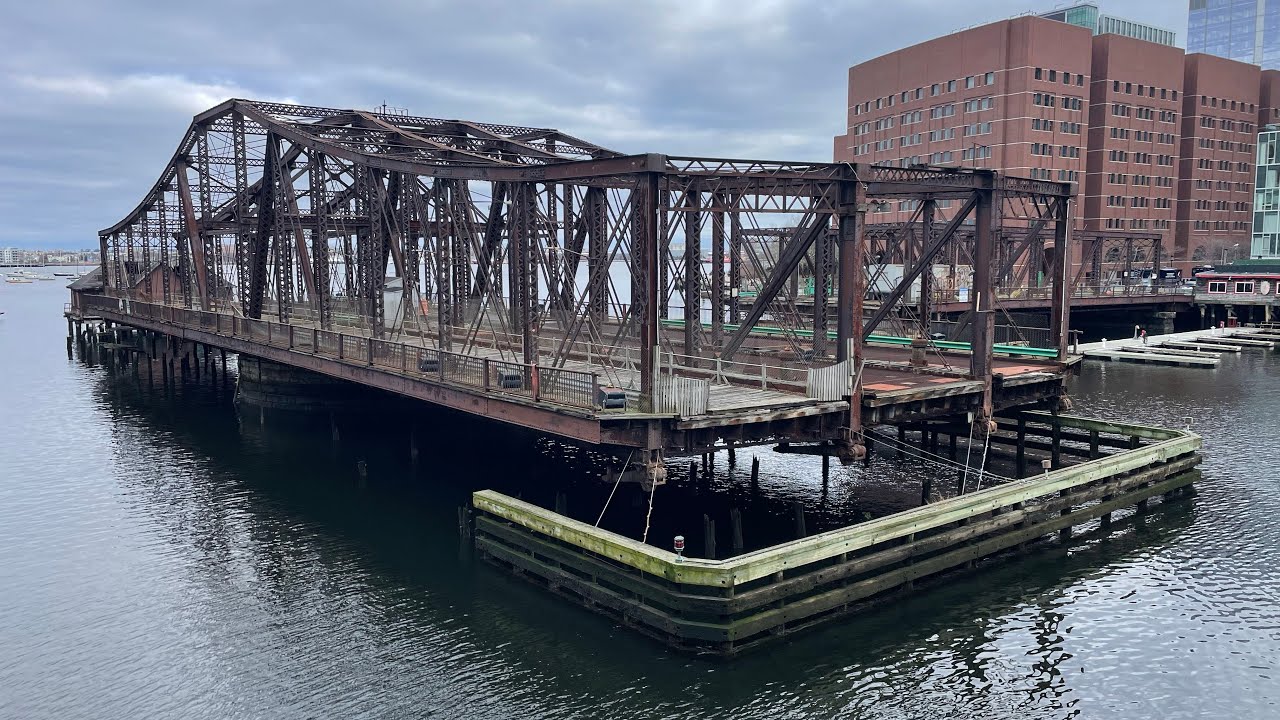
{"x": 558, "y": 386}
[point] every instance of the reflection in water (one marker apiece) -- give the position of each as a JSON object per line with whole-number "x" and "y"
{"x": 166, "y": 556}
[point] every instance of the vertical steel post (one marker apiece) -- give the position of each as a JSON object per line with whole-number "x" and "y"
{"x": 983, "y": 300}
{"x": 717, "y": 271}
{"x": 647, "y": 256}
{"x": 926, "y": 276}
{"x": 851, "y": 209}
{"x": 692, "y": 268}
{"x": 1060, "y": 311}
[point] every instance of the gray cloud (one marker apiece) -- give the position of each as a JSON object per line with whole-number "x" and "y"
{"x": 98, "y": 94}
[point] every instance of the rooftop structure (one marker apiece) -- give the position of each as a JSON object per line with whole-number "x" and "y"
{"x": 1087, "y": 15}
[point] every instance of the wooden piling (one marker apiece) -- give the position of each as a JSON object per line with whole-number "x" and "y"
{"x": 1055, "y": 453}
{"x": 1022, "y": 450}
{"x": 826, "y": 469}
{"x": 708, "y": 537}
{"x": 735, "y": 525}
{"x": 733, "y": 457}
{"x": 798, "y": 510}
{"x": 413, "y": 446}
{"x": 755, "y": 472}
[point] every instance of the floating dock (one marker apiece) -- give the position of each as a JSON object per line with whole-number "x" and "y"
{"x": 1200, "y": 348}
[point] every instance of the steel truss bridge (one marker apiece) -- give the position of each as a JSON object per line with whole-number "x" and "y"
{"x": 539, "y": 279}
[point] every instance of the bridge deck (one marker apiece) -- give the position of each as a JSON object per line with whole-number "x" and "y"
{"x": 758, "y": 400}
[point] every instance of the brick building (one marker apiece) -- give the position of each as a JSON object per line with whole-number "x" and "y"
{"x": 1010, "y": 95}
{"x": 1215, "y": 171}
{"x": 1133, "y": 138}
{"x": 1045, "y": 99}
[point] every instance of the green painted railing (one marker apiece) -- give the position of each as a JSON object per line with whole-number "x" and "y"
{"x": 884, "y": 340}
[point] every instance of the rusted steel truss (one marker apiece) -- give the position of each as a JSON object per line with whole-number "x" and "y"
{"x": 545, "y": 248}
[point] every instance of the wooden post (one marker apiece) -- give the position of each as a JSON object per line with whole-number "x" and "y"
{"x": 413, "y": 446}
{"x": 693, "y": 472}
{"x": 926, "y": 489}
{"x": 1093, "y": 444}
{"x": 709, "y": 537}
{"x": 733, "y": 457}
{"x": 1064, "y": 533}
{"x": 1056, "y": 452}
{"x": 826, "y": 469}
{"x": 1022, "y": 451}
{"x": 755, "y": 472}
{"x": 735, "y": 523}
{"x": 798, "y": 510}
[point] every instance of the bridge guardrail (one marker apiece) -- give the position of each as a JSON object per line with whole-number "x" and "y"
{"x": 561, "y": 386}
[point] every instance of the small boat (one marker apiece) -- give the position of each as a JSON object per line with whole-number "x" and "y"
{"x": 58, "y": 274}
{"x": 17, "y": 279}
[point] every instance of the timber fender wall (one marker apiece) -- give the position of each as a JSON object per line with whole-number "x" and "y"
{"x": 726, "y": 606}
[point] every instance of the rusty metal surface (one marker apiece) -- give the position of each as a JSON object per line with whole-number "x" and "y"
{"x": 543, "y": 247}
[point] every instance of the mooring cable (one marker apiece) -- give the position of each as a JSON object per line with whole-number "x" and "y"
{"x": 920, "y": 454}
{"x": 653, "y": 486}
{"x": 615, "y": 487}
{"x": 968, "y": 449}
{"x": 982, "y": 469}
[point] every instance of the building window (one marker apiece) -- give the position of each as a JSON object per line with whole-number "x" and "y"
{"x": 1244, "y": 286}
{"x": 1039, "y": 74}
{"x": 1053, "y": 76}
{"x": 968, "y": 82}
{"x": 951, "y": 86}
{"x": 990, "y": 78}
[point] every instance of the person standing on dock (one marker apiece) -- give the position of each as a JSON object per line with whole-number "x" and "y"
{"x": 1143, "y": 334}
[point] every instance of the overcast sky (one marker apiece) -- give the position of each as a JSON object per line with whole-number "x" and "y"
{"x": 96, "y": 95}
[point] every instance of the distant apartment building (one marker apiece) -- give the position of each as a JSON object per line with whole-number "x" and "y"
{"x": 1216, "y": 164}
{"x": 1158, "y": 141}
{"x": 1133, "y": 137}
{"x": 1242, "y": 30}
{"x": 1087, "y": 15}
{"x": 10, "y": 256}
{"x": 1011, "y": 95}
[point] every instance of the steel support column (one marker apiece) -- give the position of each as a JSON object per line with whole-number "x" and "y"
{"x": 647, "y": 259}
{"x": 1060, "y": 305}
{"x": 926, "y": 272}
{"x": 983, "y": 302}
{"x": 692, "y": 269}
{"x": 850, "y": 292}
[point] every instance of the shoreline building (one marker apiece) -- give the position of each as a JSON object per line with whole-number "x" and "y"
{"x": 1159, "y": 142}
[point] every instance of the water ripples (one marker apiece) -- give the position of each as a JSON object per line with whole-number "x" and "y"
{"x": 162, "y": 558}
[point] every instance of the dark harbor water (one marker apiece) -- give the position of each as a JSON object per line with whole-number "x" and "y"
{"x": 162, "y": 557}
